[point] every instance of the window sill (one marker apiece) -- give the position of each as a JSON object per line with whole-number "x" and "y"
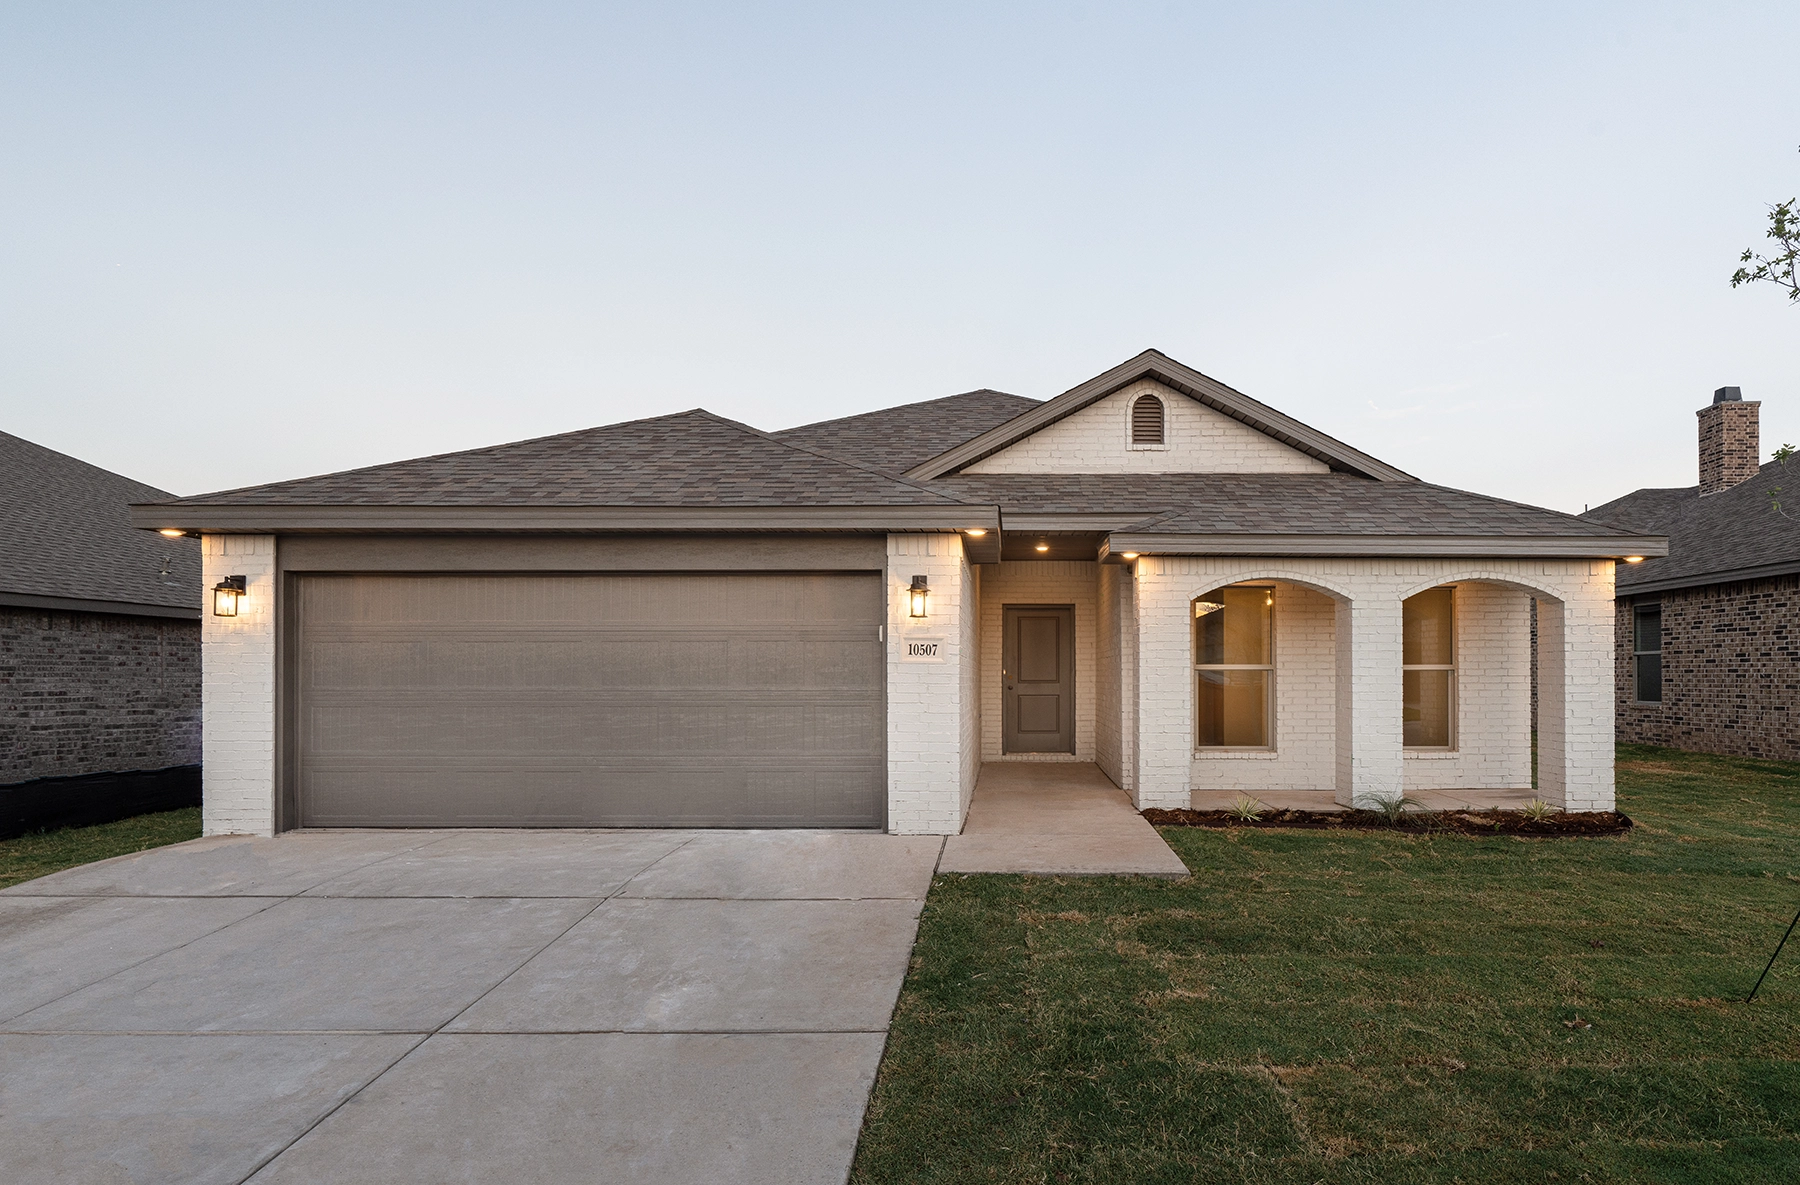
{"x": 1646, "y": 703}
{"x": 1430, "y": 754}
{"x": 1236, "y": 753}
{"x": 1147, "y": 448}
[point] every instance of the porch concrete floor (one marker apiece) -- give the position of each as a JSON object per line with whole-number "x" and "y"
{"x": 1325, "y": 800}
{"x": 1055, "y": 819}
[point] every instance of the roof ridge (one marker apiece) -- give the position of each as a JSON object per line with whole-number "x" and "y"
{"x": 875, "y": 411}
{"x": 834, "y": 458}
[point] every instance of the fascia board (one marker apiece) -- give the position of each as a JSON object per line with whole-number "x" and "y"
{"x": 1703, "y": 579}
{"x": 86, "y": 605}
{"x": 220, "y": 519}
{"x": 1471, "y": 546}
{"x": 1154, "y": 365}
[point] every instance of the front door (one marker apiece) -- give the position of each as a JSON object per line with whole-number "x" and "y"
{"x": 1037, "y": 676}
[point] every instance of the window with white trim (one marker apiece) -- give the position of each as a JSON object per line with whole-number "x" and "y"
{"x": 1234, "y": 668}
{"x": 1428, "y": 669}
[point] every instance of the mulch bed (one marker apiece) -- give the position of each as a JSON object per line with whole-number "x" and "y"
{"x": 1456, "y": 822}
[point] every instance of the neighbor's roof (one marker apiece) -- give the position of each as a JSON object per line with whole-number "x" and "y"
{"x": 1736, "y": 534}
{"x": 66, "y": 539}
{"x": 897, "y": 438}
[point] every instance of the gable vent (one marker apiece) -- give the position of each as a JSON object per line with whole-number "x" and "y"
{"x": 1147, "y": 420}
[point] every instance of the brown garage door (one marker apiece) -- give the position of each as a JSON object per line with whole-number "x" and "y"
{"x": 547, "y": 700}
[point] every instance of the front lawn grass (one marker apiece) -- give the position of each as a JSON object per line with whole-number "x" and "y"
{"x": 31, "y": 856}
{"x": 1375, "y": 1006}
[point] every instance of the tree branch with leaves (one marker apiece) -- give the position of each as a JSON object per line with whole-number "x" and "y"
{"x": 1777, "y": 269}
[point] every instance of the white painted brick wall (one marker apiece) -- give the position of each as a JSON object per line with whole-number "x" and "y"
{"x": 1034, "y": 582}
{"x": 1108, "y": 714}
{"x": 1097, "y": 439}
{"x": 932, "y": 719}
{"x": 1575, "y": 738}
{"x": 1493, "y": 697}
{"x": 237, "y": 699}
{"x": 1305, "y": 752}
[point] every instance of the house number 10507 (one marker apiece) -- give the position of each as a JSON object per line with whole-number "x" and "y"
{"x": 922, "y": 650}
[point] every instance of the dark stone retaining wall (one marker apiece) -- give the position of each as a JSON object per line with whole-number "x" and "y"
{"x": 96, "y": 693}
{"x": 48, "y": 803}
{"x": 1731, "y": 670}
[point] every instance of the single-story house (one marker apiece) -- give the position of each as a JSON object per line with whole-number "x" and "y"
{"x": 1708, "y": 637}
{"x": 99, "y": 647}
{"x": 685, "y": 621}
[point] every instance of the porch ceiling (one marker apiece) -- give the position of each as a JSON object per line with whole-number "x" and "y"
{"x": 1062, "y": 545}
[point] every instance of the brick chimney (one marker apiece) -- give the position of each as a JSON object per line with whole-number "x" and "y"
{"x": 1729, "y": 449}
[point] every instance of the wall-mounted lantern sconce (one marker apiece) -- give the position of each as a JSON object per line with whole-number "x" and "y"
{"x": 915, "y": 597}
{"x": 226, "y": 594}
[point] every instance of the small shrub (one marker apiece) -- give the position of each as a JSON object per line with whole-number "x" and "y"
{"x": 1394, "y": 807}
{"x": 1245, "y": 809}
{"x": 1537, "y": 810}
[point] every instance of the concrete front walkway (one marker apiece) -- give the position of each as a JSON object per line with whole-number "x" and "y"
{"x": 1057, "y": 818}
{"x": 432, "y": 1006}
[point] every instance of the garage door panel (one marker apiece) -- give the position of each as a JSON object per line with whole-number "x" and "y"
{"x": 622, "y": 700}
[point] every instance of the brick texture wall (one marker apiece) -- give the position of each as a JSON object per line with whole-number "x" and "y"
{"x": 1731, "y": 670}
{"x": 1097, "y": 439}
{"x": 1728, "y": 444}
{"x": 90, "y": 693}
{"x": 1576, "y": 628}
{"x": 933, "y": 721}
{"x": 238, "y": 667}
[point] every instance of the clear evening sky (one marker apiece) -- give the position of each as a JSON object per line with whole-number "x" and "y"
{"x": 242, "y": 242}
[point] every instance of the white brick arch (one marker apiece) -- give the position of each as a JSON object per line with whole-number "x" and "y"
{"x": 1336, "y": 590}
{"x": 1539, "y": 588}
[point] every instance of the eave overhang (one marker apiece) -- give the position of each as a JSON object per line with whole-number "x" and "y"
{"x": 1599, "y": 547}
{"x": 1704, "y": 579}
{"x": 14, "y": 600}
{"x": 1153, "y": 364}
{"x": 223, "y": 519}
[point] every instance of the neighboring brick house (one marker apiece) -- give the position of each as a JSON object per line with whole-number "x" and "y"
{"x": 99, "y": 647}
{"x": 1708, "y": 637}
{"x": 685, "y": 621}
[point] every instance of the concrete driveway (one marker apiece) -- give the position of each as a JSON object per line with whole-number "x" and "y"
{"x": 441, "y": 1006}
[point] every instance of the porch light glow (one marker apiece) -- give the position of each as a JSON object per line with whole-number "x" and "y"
{"x": 171, "y": 532}
{"x": 226, "y": 594}
{"x": 1043, "y": 547}
{"x": 1128, "y": 555}
{"x": 915, "y": 597}
{"x": 1634, "y": 559}
{"x": 975, "y": 532}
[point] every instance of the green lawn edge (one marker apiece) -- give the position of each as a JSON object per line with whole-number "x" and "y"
{"x": 28, "y": 857}
{"x": 1375, "y": 1006}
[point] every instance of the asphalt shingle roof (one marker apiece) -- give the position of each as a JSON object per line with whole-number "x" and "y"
{"x": 65, "y": 532}
{"x": 700, "y": 460}
{"x": 1269, "y": 503}
{"x": 897, "y": 438}
{"x": 1734, "y": 530}
{"x": 691, "y": 458}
